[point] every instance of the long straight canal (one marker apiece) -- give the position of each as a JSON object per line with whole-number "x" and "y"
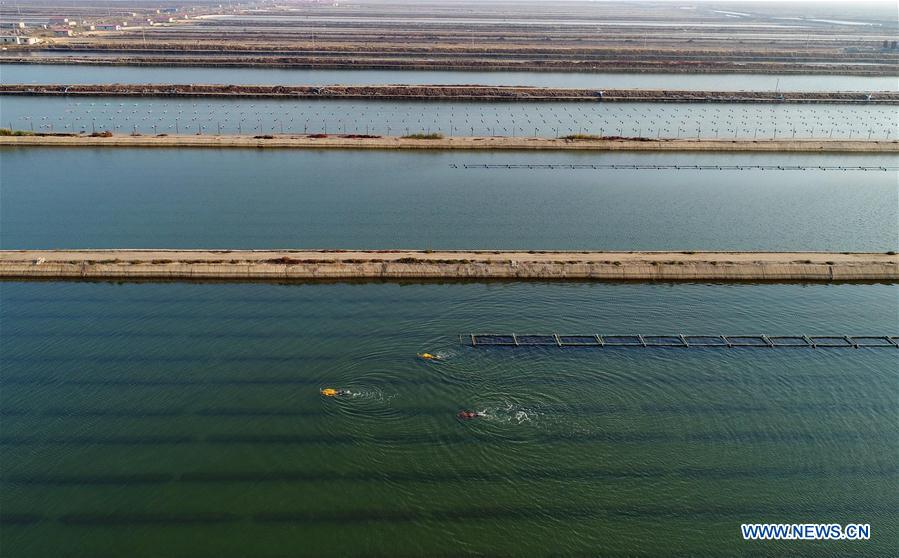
{"x": 211, "y": 198}
{"x": 82, "y": 73}
{"x": 537, "y": 119}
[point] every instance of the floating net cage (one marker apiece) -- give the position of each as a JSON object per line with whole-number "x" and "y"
{"x": 677, "y": 340}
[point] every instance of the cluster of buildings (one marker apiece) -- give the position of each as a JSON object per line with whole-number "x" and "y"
{"x": 11, "y": 33}
{"x": 22, "y": 33}
{"x": 18, "y": 40}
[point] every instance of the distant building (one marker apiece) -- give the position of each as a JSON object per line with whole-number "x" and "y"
{"x": 61, "y": 32}
{"x": 107, "y": 27}
{"x": 17, "y": 40}
{"x": 62, "y": 22}
{"x": 12, "y": 25}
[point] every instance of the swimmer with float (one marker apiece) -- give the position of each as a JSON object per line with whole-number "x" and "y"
{"x": 331, "y": 392}
{"x": 428, "y": 356}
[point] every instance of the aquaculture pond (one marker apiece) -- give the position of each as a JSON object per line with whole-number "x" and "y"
{"x": 186, "y": 420}
{"x": 250, "y": 198}
{"x": 80, "y": 73}
{"x": 520, "y": 119}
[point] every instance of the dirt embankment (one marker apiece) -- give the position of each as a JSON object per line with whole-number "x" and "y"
{"x": 457, "y": 64}
{"x": 357, "y": 141}
{"x": 450, "y": 92}
{"x": 448, "y": 265}
{"x": 524, "y": 50}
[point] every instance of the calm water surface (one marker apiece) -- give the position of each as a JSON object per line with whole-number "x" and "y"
{"x": 654, "y": 120}
{"x": 185, "y": 420}
{"x": 63, "y": 73}
{"x": 208, "y": 198}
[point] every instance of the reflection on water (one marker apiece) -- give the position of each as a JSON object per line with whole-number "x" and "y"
{"x": 135, "y": 413}
{"x": 530, "y": 119}
{"x": 63, "y": 73}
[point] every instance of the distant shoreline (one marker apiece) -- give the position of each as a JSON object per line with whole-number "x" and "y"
{"x": 349, "y": 141}
{"x": 324, "y": 265}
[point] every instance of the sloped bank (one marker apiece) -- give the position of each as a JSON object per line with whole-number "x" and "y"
{"x": 448, "y": 93}
{"x": 241, "y": 265}
{"x": 634, "y": 65}
{"x": 351, "y": 141}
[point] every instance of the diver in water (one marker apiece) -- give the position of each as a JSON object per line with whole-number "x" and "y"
{"x": 331, "y": 392}
{"x": 468, "y": 415}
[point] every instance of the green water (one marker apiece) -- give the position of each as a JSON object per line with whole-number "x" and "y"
{"x": 185, "y": 420}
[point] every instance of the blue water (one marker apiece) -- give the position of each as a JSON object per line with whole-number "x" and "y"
{"x": 540, "y": 119}
{"x": 62, "y": 73}
{"x": 246, "y": 198}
